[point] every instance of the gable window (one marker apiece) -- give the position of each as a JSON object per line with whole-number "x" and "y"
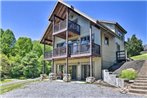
{"x": 106, "y": 41}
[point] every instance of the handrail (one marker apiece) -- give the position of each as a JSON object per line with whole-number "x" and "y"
{"x": 74, "y": 50}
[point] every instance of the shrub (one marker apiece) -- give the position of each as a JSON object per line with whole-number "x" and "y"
{"x": 129, "y": 74}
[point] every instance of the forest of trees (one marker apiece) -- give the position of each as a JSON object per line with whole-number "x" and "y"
{"x": 21, "y": 58}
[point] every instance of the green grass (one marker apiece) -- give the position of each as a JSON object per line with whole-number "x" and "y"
{"x": 9, "y": 87}
{"x": 140, "y": 57}
{"x": 5, "y": 81}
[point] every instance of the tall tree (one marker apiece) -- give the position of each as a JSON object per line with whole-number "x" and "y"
{"x": 7, "y": 41}
{"x": 23, "y": 45}
{"x": 30, "y": 62}
{"x": 134, "y": 46}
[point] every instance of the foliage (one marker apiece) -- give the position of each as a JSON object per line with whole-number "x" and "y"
{"x": 7, "y": 41}
{"x": 140, "y": 57}
{"x": 134, "y": 46}
{"x": 23, "y": 45}
{"x": 5, "y": 66}
{"x": 129, "y": 74}
{"x": 22, "y": 57}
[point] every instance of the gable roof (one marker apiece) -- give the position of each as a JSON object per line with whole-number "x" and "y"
{"x": 115, "y": 23}
{"x": 47, "y": 39}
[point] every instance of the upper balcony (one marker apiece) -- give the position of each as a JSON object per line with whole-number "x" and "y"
{"x": 80, "y": 50}
{"x": 61, "y": 28}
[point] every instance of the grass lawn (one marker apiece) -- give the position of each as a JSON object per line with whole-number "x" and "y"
{"x": 9, "y": 87}
{"x": 140, "y": 57}
{"x": 5, "y": 81}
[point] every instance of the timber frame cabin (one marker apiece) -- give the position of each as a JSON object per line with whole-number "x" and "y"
{"x": 82, "y": 46}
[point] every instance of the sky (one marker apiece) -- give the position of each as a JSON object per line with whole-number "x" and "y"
{"x": 30, "y": 18}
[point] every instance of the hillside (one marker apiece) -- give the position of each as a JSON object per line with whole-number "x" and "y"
{"x": 140, "y": 57}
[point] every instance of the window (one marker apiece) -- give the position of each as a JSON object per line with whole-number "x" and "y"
{"x": 106, "y": 41}
{"x": 118, "y": 47}
{"x": 87, "y": 39}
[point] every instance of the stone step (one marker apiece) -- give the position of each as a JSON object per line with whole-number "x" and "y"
{"x": 138, "y": 91}
{"x": 143, "y": 76}
{"x": 139, "y": 87}
{"x": 140, "y": 84}
{"x": 140, "y": 81}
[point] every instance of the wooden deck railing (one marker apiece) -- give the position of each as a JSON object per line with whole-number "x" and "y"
{"x": 121, "y": 55}
{"x": 72, "y": 26}
{"x": 74, "y": 50}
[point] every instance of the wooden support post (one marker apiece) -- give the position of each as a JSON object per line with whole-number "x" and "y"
{"x": 67, "y": 12}
{"x": 90, "y": 31}
{"x": 53, "y": 42}
{"x": 44, "y": 60}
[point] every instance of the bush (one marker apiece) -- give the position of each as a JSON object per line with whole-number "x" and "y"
{"x": 129, "y": 74}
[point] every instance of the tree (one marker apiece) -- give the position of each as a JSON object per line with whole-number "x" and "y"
{"x": 134, "y": 46}
{"x": 7, "y": 41}
{"x": 30, "y": 63}
{"x": 23, "y": 46}
{"x": 4, "y": 66}
{"x": 37, "y": 48}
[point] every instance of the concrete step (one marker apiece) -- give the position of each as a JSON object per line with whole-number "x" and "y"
{"x": 140, "y": 81}
{"x": 139, "y": 87}
{"x": 138, "y": 91}
{"x": 140, "y": 84}
{"x": 143, "y": 76}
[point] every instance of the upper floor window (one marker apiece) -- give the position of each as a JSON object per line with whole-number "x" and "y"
{"x": 86, "y": 39}
{"x": 106, "y": 41}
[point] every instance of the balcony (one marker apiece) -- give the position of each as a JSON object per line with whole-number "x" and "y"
{"x": 80, "y": 50}
{"x": 84, "y": 50}
{"x": 60, "y": 29}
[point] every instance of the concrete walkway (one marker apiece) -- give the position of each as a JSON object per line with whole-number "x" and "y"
{"x": 58, "y": 89}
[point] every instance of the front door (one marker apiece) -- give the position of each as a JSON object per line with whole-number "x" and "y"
{"x": 85, "y": 71}
{"x": 73, "y": 72}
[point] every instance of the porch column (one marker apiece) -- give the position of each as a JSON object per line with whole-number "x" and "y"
{"x": 44, "y": 60}
{"x": 53, "y": 44}
{"x": 90, "y": 31}
{"x": 67, "y": 12}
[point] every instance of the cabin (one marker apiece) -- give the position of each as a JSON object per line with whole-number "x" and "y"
{"x": 82, "y": 46}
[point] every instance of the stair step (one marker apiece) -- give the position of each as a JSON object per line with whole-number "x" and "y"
{"x": 140, "y": 84}
{"x": 140, "y": 81}
{"x": 138, "y": 91}
{"x": 139, "y": 87}
{"x": 143, "y": 76}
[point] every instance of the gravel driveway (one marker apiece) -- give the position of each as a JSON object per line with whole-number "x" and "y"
{"x": 46, "y": 89}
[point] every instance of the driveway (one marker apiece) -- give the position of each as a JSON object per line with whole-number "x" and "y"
{"x": 56, "y": 89}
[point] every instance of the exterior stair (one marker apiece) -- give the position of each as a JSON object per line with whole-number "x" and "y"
{"x": 139, "y": 86}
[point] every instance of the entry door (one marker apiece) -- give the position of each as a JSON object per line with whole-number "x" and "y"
{"x": 85, "y": 71}
{"x": 73, "y": 72}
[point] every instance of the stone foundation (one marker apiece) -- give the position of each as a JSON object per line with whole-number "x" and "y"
{"x": 67, "y": 78}
{"x": 52, "y": 76}
{"x": 43, "y": 76}
{"x": 90, "y": 79}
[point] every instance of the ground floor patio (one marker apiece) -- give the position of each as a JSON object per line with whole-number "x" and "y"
{"x": 78, "y": 68}
{"x": 60, "y": 89}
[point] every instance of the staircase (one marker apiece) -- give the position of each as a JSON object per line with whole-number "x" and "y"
{"x": 139, "y": 86}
